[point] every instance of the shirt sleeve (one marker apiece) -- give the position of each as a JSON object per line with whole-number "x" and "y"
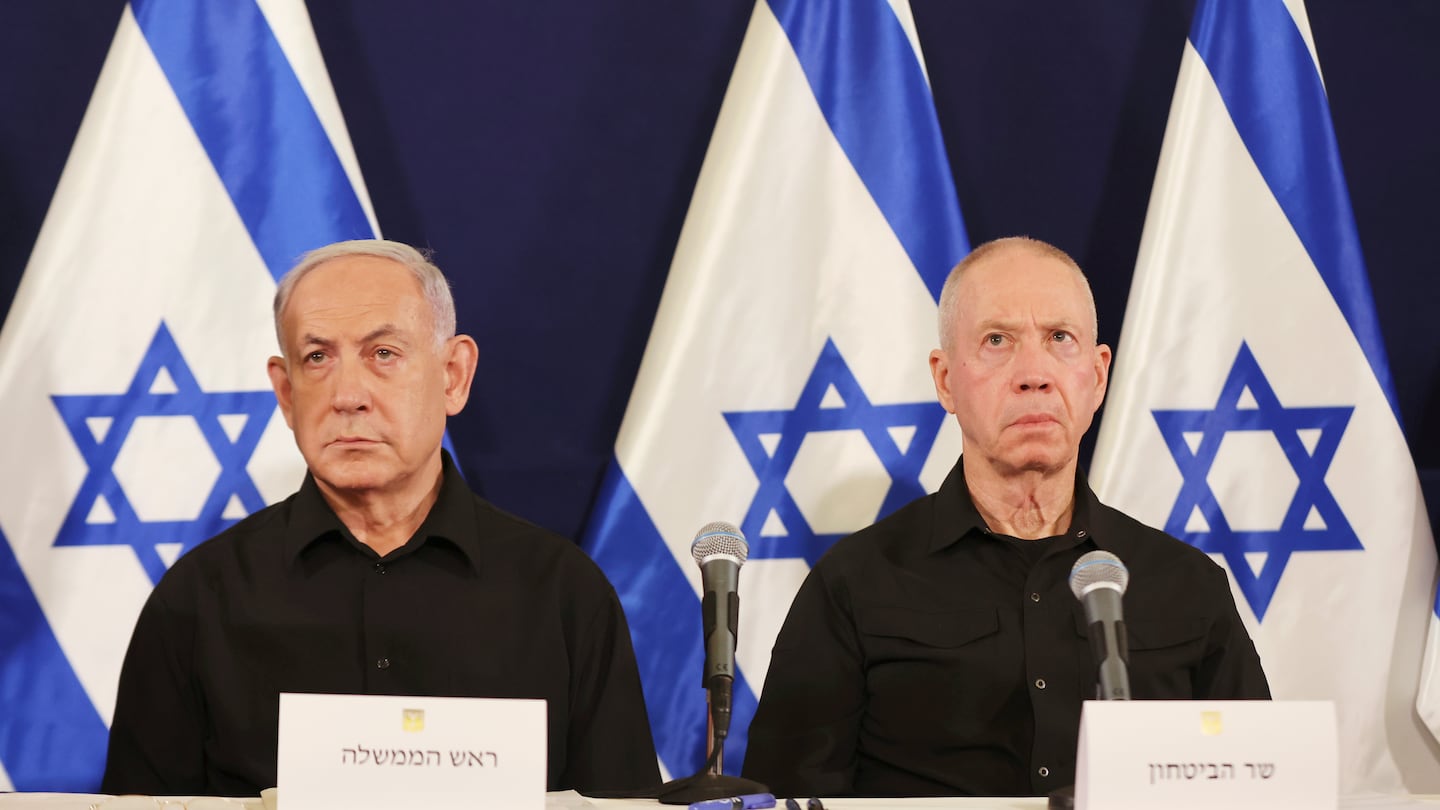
{"x": 803, "y": 739}
{"x": 1231, "y": 668}
{"x": 157, "y": 737}
{"x": 609, "y": 745}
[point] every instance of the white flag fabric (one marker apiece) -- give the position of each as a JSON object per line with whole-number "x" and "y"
{"x": 785, "y": 387}
{"x": 1251, "y": 411}
{"x": 139, "y": 418}
{"x": 1427, "y": 702}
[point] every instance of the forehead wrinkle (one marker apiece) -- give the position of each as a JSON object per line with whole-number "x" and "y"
{"x": 1013, "y": 324}
{"x": 1002, "y": 324}
{"x": 381, "y": 331}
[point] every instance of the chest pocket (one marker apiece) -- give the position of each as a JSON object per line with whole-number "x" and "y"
{"x": 893, "y": 633}
{"x": 1164, "y": 656}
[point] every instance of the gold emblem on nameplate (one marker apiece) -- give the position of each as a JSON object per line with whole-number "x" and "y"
{"x": 412, "y": 719}
{"x": 1210, "y": 724}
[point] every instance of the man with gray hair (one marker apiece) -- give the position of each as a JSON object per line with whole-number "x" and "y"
{"x": 940, "y": 651}
{"x": 383, "y": 575}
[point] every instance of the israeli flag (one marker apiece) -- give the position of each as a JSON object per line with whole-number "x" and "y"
{"x": 785, "y": 387}
{"x": 139, "y": 418}
{"x": 1251, "y": 411}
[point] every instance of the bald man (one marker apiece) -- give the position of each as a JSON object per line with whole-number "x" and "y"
{"x": 940, "y": 651}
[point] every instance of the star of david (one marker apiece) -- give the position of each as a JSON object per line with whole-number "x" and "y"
{"x": 99, "y": 424}
{"x": 1313, "y": 521}
{"x": 772, "y": 439}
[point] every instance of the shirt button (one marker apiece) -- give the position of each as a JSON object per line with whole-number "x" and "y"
{"x": 1034, "y": 597}
{"x": 379, "y": 568}
{"x": 1080, "y": 534}
{"x": 383, "y": 663}
{"x": 1044, "y": 771}
{"x": 1040, "y": 684}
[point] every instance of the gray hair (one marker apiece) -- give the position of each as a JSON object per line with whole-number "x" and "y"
{"x": 950, "y": 293}
{"x": 432, "y": 282}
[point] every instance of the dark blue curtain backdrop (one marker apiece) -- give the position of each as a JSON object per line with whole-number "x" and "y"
{"x": 546, "y": 151}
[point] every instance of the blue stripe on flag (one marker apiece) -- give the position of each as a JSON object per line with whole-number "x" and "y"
{"x": 871, "y": 88}
{"x": 1265, "y": 73}
{"x": 623, "y": 540}
{"x": 249, "y": 111}
{"x": 52, "y": 738}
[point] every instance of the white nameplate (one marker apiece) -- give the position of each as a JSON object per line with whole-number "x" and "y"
{"x": 380, "y": 752}
{"x": 1184, "y": 754}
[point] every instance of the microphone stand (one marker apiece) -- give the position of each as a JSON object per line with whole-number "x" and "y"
{"x": 1114, "y": 685}
{"x": 710, "y": 782}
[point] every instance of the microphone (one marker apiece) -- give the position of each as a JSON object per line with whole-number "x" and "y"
{"x": 720, "y": 549}
{"x": 1098, "y": 580}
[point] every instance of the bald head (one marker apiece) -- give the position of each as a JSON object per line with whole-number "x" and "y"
{"x": 998, "y": 249}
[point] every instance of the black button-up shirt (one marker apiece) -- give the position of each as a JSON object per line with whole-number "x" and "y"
{"x": 478, "y": 603}
{"x": 925, "y": 655}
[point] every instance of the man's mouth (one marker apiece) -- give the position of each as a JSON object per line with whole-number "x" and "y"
{"x": 1035, "y": 419}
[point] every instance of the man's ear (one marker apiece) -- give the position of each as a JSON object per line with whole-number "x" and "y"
{"x": 1103, "y": 356}
{"x": 280, "y": 381}
{"x": 460, "y": 356}
{"x": 940, "y": 373}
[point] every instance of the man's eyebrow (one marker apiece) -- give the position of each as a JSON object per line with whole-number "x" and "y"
{"x": 1010, "y": 325}
{"x": 381, "y": 331}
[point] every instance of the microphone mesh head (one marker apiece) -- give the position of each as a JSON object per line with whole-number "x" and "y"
{"x": 719, "y": 538}
{"x": 1096, "y": 568}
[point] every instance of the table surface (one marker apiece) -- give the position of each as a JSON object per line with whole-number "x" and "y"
{"x": 569, "y": 799}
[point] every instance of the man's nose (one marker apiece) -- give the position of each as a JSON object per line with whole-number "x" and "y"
{"x": 352, "y": 391}
{"x": 1033, "y": 368}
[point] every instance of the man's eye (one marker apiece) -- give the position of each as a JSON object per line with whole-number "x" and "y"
{"x": 384, "y": 354}
{"x": 994, "y": 340}
{"x": 1062, "y": 337}
{"x": 315, "y": 357}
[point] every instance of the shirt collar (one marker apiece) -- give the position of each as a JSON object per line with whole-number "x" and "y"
{"x": 451, "y": 519}
{"x": 956, "y": 515}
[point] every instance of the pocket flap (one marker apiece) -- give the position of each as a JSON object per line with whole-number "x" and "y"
{"x": 1155, "y": 634}
{"x": 951, "y": 628}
